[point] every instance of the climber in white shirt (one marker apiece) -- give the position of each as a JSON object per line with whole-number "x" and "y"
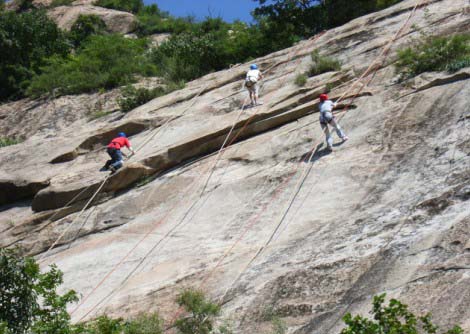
{"x": 327, "y": 118}
{"x": 251, "y": 83}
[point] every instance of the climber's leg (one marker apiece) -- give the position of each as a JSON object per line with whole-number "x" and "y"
{"x": 329, "y": 139}
{"x": 338, "y": 130}
{"x": 117, "y": 160}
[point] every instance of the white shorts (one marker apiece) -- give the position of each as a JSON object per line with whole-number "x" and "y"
{"x": 253, "y": 89}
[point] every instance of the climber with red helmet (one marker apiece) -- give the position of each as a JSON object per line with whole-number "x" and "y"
{"x": 327, "y": 118}
{"x": 251, "y": 83}
{"x": 114, "y": 151}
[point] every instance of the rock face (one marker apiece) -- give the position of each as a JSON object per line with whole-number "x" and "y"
{"x": 387, "y": 211}
{"x": 116, "y": 21}
{"x": 65, "y": 16}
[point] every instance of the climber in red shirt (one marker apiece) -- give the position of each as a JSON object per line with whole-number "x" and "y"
{"x": 114, "y": 151}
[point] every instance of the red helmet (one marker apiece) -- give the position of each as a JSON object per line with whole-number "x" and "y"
{"x": 323, "y": 97}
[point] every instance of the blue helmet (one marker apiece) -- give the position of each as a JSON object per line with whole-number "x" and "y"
{"x": 122, "y": 134}
{"x": 253, "y": 67}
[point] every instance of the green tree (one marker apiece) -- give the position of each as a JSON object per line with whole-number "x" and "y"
{"x": 29, "y": 302}
{"x": 26, "y": 39}
{"x": 288, "y": 20}
{"x": 23, "y": 5}
{"x": 152, "y": 20}
{"x": 200, "y": 313}
{"x": 394, "y": 318}
{"x": 132, "y": 6}
{"x": 85, "y": 26}
{"x": 106, "y": 62}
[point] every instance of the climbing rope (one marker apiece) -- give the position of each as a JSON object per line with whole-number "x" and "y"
{"x": 228, "y": 145}
{"x": 302, "y": 179}
{"x": 380, "y": 59}
{"x": 161, "y": 221}
{"x": 151, "y": 136}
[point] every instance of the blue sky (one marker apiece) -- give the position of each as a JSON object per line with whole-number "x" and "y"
{"x": 228, "y": 9}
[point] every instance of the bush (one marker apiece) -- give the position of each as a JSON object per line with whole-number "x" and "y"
{"x": 435, "y": 54}
{"x": 103, "y": 62}
{"x": 212, "y": 45}
{"x": 323, "y": 64}
{"x": 300, "y": 80}
{"x": 29, "y": 302}
{"x": 57, "y": 3}
{"x": 23, "y": 5}
{"x": 145, "y": 324}
{"x": 29, "y": 37}
{"x": 9, "y": 141}
{"x": 85, "y": 26}
{"x": 142, "y": 324}
{"x": 201, "y": 313}
{"x": 132, "y": 6}
{"x": 99, "y": 114}
{"x": 279, "y": 326}
{"x": 394, "y": 318}
{"x": 153, "y": 21}
{"x": 133, "y": 97}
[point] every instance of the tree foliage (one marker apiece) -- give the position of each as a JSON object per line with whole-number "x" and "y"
{"x": 200, "y": 313}
{"x": 39, "y": 58}
{"x": 304, "y": 18}
{"x": 211, "y": 45}
{"x": 29, "y": 302}
{"x": 26, "y": 40}
{"x": 106, "y": 61}
{"x": 131, "y": 6}
{"x": 86, "y": 26}
{"x": 394, "y": 318}
{"x": 133, "y": 97}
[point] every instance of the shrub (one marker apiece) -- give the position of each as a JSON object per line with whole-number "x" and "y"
{"x": 145, "y": 324}
{"x": 57, "y": 3}
{"x": 394, "y": 318}
{"x": 201, "y": 313}
{"x": 9, "y": 141}
{"x": 300, "y": 80}
{"x": 132, "y": 6}
{"x": 29, "y": 37}
{"x": 322, "y": 64}
{"x": 103, "y": 62}
{"x": 29, "y": 302}
{"x": 23, "y": 5}
{"x": 153, "y": 21}
{"x": 381, "y": 4}
{"x": 99, "y": 114}
{"x": 85, "y": 26}
{"x": 435, "y": 54}
{"x": 210, "y": 46}
{"x": 134, "y": 97}
{"x": 279, "y": 326}
{"x": 142, "y": 324}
